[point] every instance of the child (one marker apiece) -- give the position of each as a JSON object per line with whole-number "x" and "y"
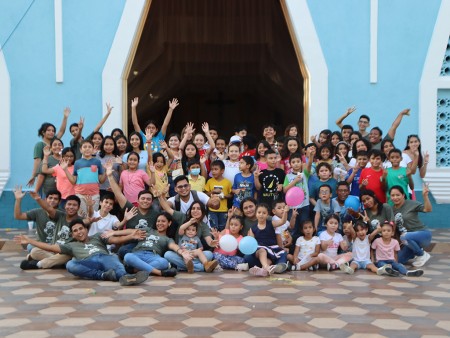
{"x": 307, "y": 249}
{"x": 397, "y": 175}
{"x": 108, "y": 152}
{"x": 88, "y": 172}
{"x": 386, "y": 249}
{"x": 371, "y": 177}
{"x": 354, "y": 174}
{"x": 230, "y": 260}
{"x": 269, "y": 182}
{"x": 220, "y": 153}
{"x": 361, "y": 253}
{"x": 249, "y": 145}
{"x": 158, "y": 167}
{"x": 260, "y": 157}
{"x": 324, "y": 172}
{"x": 268, "y": 251}
{"x": 196, "y": 180}
{"x": 133, "y": 180}
{"x": 190, "y": 241}
{"x": 324, "y": 208}
{"x": 292, "y": 146}
{"x": 244, "y": 182}
{"x": 330, "y": 241}
{"x": 281, "y": 224}
{"x": 232, "y": 164}
{"x": 218, "y": 185}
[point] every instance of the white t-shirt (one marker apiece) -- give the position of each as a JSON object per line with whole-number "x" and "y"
{"x": 306, "y": 247}
{"x": 103, "y": 224}
{"x": 279, "y": 230}
{"x": 361, "y": 249}
{"x": 184, "y": 206}
{"x": 332, "y": 249}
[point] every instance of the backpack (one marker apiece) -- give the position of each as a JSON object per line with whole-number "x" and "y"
{"x": 177, "y": 205}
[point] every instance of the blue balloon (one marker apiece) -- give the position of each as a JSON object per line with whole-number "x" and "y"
{"x": 248, "y": 245}
{"x": 352, "y": 202}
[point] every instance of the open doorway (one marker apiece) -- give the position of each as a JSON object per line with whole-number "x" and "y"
{"x": 229, "y": 62}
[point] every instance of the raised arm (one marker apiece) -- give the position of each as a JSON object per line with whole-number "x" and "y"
{"x": 205, "y": 128}
{"x": 164, "y": 204}
{"x": 62, "y": 128}
{"x": 104, "y": 118}
{"x": 19, "y": 194}
{"x": 65, "y": 166}
{"x": 344, "y": 116}
{"x": 45, "y": 168}
{"x": 283, "y": 219}
{"x": 120, "y": 197}
{"x": 423, "y": 168}
{"x": 22, "y": 239}
{"x": 172, "y": 105}
{"x": 188, "y": 131}
{"x": 397, "y": 122}
{"x": 426, "y": 199}
{"x": 43, "y": 204}
{"x": 134, "y": 119}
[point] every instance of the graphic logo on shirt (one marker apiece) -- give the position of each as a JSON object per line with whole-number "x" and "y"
{"x": 270, "y": 185}
{"x": 49, "y": 231}
{"x": 150, "y": 241}
{"x": 91, "y": 248}
{"x": 63, "y": 235}
{"x": 374, "y": 224}
{"x": 142, "y": 224}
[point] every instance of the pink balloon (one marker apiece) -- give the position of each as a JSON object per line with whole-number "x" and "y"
{"x": 294, "y": 196}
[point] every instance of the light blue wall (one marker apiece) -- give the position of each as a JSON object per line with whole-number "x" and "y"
{"x": 88, "y": 31}
{"x": 404, "y": 32}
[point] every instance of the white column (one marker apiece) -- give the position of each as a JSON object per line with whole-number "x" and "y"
{"x": 59, "y": 66}
{"x": 5, "y": 122}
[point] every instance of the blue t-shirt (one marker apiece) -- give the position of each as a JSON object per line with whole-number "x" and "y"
{"x": 87, "y": 172}
{"x": 247, "y": 184}
{"x": 155, "y": 141}
{"x": 314, "y": 191}
{"x": 354, "y": 188}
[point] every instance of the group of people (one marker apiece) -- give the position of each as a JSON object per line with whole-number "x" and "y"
{"x": 119, "y": 208}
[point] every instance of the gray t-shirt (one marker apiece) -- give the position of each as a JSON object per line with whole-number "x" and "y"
{"x": 190, "y": 243}
{"x": 202, "y": 229}
{"x": 49, "y": 180}
{"x": 378, "y": 219}
{"x": 154, "y": 242}
{"x": 62, "y": 232}
{"x": 45, "y": 226}
{"x": 79, "y": 250}
{"x": 141, "y": 221}
{"x": 408, "y": 215}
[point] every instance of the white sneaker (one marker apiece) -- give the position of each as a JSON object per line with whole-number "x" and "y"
{"x": 382, "y": 270}
{"x": 421, "y": 260}
{"x": 242, "y": 267}
{"x": 347, "y": 269}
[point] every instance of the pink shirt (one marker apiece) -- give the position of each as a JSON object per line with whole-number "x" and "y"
{"x": 62, "y": 182}
{"x": 231, "y": 253}
{"x": 383, "y": 251}
{"x": 133, "y": 182}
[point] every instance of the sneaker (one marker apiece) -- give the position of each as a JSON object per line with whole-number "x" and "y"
{"x": 382, "y": 270}
{"x": 316, "y": 267}
{"x": 137, "y": 278}
{"x": 210, "y": 266}
{"x": 242, "y": 267}
{"x": 257, "y": 271}
{"x": 421, "y": 260}
{"x": 109, "y": 275}
{"x": 347, "y": 269}
{"x": 218, "y": 268}
{"x": 332, "y": 266}
{"x": 190, "y": 266}
{"x": 170, "y": 272}
{"x": 414, "y": 273}
{"x": 289, "y": 266}
{"x": 391, "y": 272}
{"x": 280, "y": 268}
{"x": 29, "y": 265}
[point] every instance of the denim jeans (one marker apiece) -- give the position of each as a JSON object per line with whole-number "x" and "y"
{"x": 303, "y": 215}
{"x": 217, "y": 220}
{"x": 177, "y": 260}
{"x": 413, "y": 244}
{"x": 144, "y": 260}
{"x": 396, "y": 266}
{"x": 126, "y": 248}
{"x": 93, "y": 267}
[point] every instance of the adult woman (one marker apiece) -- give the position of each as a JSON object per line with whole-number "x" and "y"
{"x": 377, "y": 212}
{"x": 415, "y": 237}
{"x": 248, "y": 209}
{"x": 137, "y": 145}
{"x": 359, "y": 145}
{"x": 197, "y": 210}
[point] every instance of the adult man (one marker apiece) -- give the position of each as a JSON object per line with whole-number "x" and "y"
{"x": 343, "y": 190}
{"x": 375, "y": 135}
{"x": 92, "y": 259}
{"x": 363, "y": 122}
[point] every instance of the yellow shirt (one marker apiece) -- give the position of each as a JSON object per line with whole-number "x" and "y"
{"x": 198, "y": 184}
{"x": 226, "y": 189}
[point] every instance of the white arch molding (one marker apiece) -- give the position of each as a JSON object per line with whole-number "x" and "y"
{"x": 5, "y": 121}
{"x": 430, "y": 82}
{"x": 302, "y": 30}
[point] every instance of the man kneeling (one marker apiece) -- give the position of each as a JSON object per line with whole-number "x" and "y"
{"x": 91, "y": 257}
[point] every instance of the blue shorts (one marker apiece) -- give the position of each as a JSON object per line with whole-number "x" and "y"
{"x": 362, "y": 264}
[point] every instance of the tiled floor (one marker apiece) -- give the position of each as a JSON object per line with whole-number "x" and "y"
{"x": 227, "y": 304}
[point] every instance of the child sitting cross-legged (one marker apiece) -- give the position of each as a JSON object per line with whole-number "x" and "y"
{"x": 307, "y": 249}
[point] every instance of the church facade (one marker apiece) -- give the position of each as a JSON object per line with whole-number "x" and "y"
{"x": 379, "y": 55}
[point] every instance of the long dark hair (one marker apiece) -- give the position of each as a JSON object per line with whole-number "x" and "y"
{"x": 420, "y": 163}
{"x": 102, "y": 153}
{"x": 375, "y": 199}
{"x": 284, "y": 153}
{"x": 141, "y": 145}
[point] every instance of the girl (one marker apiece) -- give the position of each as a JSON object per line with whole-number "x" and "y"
{"x": 158, "y": 168}
{"x": 62, "y": 182}
{"x": 97, "y": 139}
{"x": 174, "y": 168}
{"x": 268, "y": 251}
{"x": 136, "y": 145}
{"x": 376, "y": 213}
{"x": 190, "y": 152}
{"x": 307, "y": 249}
{"x": 359, "y": 145}
{"x": 230, "y": 260}
{"x": 341, "y": 160}
{"x": 260, "y": 157}
{"x": 335, "y": 138}
{"x": 325, "y": 154}
{"x": 386, "y": 248}
{"x": 292, "y": 130}
{"x": 220, "y": 153}
{"x": 200, "y": 141}
{"x": 354, "y": 136}
{"x": 108, "y": 152}
{"x": 133, "y": 180}
{"x": 330, "y": 242}
{"x": 324, "y": 138}
{"x": 232, "y": 164}
{"x": 292, "y": 145}
{"x": 413, "y": 145}
{"x": 116, "y": 132}
{"x": 121, "y": 145}
{"x": 52, "y": 156}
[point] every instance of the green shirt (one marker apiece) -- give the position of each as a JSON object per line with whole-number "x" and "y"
{"x": 408, "y": 213}
{"x": 45, "y": 226}
{"x": 141, "y": 221}
{"x": 49, "y": 181}
{"x": 154, "y": 242}
{"x": 62, "y": 233}
{"x": 80, "y": 250}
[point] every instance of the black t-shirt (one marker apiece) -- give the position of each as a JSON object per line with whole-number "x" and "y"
{"x": 270, "y": 179}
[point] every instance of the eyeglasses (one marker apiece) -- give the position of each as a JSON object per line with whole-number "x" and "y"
{"x": 182, "y": 186}
{"x": 362, "y": 121}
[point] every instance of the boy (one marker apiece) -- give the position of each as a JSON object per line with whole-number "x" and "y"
{"x": 244, "y": 182}
{"x": 269, "y": 182}
{"x": 397, "y": 175}
{"x": 282, "y": 226}
{"x": 87, "y": 174}
{"x": 371, "y": 178}
{"x": 346, "y": 131}
{"x": 196, "y": 180}
{"x": 218, "y": 185}
{"x": 249, "y": 145}
{"x": 354, "y": 174}
{"x": 191, "y": 242}
{"x": 324, "y": 171}
{"x": 91, "y": 257}
{"x": 325, "y": 206}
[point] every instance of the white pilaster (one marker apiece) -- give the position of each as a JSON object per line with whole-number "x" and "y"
{"x": 59, "y": 65}
{"x": 5, "y": 122}
{"x": 373, "y": 41}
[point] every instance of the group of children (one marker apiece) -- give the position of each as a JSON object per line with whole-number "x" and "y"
{"x": 243, "y": 169}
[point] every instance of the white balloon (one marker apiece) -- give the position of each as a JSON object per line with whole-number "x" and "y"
{"x": 228, "y": 243}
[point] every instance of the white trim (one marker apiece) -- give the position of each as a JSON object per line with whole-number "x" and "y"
{"x": 373, "y": 41}
{"x": 308, "y": 41}
{"x": 430, "y": 82}
{"x": 443, "y": 82}
{"x": 59, "y": 64}
{"x": 113, "y": 72}
{"x": 5, "y": 121}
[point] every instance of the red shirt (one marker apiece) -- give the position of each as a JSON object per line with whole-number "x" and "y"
{"x": 251, "y": 152}
{"x": 374, "y": 179}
